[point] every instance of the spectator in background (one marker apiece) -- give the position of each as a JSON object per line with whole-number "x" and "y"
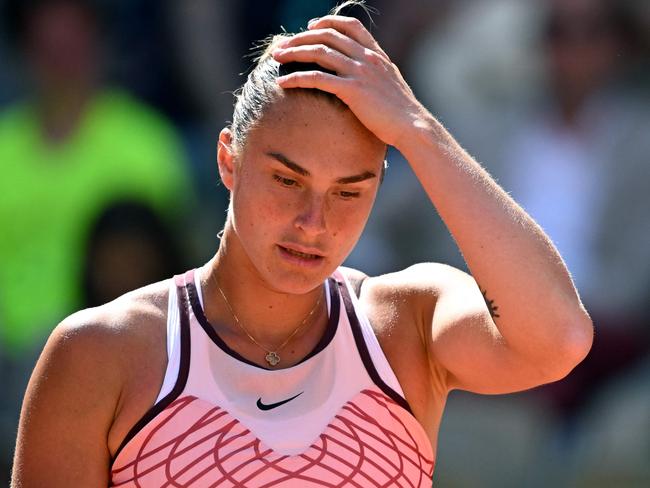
{"x": 552, "y": 96}
{"x": 586, "y": 147}
{"x": 127, "y": 246}
{"x": 69, "y": 151}
{"x": 549, "y": 95}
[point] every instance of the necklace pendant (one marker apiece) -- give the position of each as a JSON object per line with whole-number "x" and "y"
{"x": 272, "y": 358}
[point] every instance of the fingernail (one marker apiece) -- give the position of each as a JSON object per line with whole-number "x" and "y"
{"x": 312, "y": 21}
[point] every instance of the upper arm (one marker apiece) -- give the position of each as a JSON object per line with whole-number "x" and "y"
{"x": 463, "y": 339}
{"x": 68, "y": 409}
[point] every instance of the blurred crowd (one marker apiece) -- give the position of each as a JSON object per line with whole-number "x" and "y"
{"x": 109, "y": 116}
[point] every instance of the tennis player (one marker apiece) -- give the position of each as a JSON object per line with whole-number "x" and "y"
{"x": 272, "y": 365}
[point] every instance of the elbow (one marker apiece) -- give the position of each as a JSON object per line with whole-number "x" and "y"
{"x": 580, "y": 339}
{"x": 573, "y": 346}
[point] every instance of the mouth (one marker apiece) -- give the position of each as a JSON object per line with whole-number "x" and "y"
{"x": 300, "y": 257}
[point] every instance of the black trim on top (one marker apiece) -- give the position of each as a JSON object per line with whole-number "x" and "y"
{"x": 183, "y": 371}
{"x": 362, "y": 347}
{"x": 209, "y": 329}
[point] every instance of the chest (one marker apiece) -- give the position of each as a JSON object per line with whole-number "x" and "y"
{"x": 398, "y": 338}
{"x": 357, "y": 434}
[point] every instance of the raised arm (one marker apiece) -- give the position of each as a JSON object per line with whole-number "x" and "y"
{"x": 68, "y": 410}
{"x": 538, "y": 329}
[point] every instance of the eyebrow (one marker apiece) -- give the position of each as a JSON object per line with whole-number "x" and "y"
{"x": 296, "y": 168}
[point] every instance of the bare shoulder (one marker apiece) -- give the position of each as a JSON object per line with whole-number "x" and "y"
{"x": 108, "y": 331}
{"x": 422, "y": 277}
{"x": 421, "y": 281}
{"x": 102, "y": 335}
{"x": 78, "y": 387}
{"x": 395, "y": 302}
{"x": 399, "y": 306}
{"x": 416, "y": 294}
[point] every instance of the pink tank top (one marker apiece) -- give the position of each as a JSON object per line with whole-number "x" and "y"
{"x": 337, "y": 418}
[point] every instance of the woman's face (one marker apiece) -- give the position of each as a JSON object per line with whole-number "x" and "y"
{"x": 302, "y": 189}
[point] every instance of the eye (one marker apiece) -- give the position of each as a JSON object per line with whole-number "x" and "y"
{"x": 349, "y": 194}
{"x": 285, "y": 181}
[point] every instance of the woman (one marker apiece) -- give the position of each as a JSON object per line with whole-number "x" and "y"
{"x": 271, "y": 365}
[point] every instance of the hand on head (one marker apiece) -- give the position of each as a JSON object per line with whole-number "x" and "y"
{"x": 365, "y": 79}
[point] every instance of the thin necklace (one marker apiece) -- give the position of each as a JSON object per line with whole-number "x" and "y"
{"x": 272, "y": 357}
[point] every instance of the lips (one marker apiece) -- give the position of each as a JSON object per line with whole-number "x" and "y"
{"x": 300, "y": 255}
{"x": 303, "y": 252}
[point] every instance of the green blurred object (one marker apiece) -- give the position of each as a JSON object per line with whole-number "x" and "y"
{"x": 50, "y": 194}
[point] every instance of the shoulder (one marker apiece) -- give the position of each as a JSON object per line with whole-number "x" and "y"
{"x": 121, "y": 111}
{"x": 429, "y": 280}
{"x": 417, "y": 293}
{"x": 400, "y": 308}
{"x": 17, "y": 125}
{"x": 108, "y": 337}
{"x": 82, "y": 376}
{"x": 16, "y": 113}
{"x": 106, "y": 352}
{"x": 126, "y": 316}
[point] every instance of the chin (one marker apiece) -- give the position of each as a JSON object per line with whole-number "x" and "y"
{"x": 288, "y": 273}
{"x": 297, "y": 282}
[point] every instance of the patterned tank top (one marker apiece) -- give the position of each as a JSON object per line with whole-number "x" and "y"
{"x": 337, "y": 418}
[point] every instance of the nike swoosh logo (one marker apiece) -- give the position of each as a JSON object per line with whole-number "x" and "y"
{"x": 270, "y": 406}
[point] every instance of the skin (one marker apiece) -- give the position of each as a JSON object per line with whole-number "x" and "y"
{"x": 102, "y": 368}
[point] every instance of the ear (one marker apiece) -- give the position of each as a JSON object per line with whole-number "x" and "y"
{"x": 226, "y": 157}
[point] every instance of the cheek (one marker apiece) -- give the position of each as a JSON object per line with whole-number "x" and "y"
{"x": 258, "y": 204}
{"x": 347, "y": 221}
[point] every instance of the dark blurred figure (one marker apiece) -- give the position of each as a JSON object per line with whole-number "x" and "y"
{"x": 128, "y": 247}
{"x": 585, "y": 151}
{"x": 69, "y": 151}
{"x": 588, "y": 44}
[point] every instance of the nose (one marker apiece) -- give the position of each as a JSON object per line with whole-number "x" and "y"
{"x": 311, "y": 218}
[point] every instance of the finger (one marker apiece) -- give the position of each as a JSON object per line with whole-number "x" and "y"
{"x": 315, "y": 79}
{"x": 320, "y": 54}
{"x": 350, "y": 27}
{"x": 329, "y": 37}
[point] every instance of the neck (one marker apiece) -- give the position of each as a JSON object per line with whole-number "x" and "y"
{"x": 61, "y": 111}
{"x": 269, "y": 315}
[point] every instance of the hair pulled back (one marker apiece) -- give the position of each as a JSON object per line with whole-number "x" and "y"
{"x": 260, "y": 90}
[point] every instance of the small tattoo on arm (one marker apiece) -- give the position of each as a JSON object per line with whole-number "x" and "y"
{"x": 492, "y": 308}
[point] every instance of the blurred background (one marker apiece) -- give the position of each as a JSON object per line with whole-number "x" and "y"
{"x": 109, "y": 117}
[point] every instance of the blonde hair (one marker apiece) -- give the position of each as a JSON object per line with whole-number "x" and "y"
{"x": 260, "y": 90}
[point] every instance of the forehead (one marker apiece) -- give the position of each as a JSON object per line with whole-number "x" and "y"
{"x": 313, "y": 131}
